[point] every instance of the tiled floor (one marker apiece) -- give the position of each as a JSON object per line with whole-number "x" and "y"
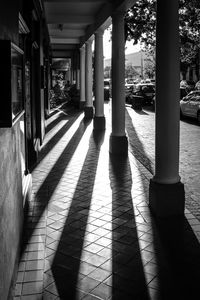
{"x": 89, "y": 232}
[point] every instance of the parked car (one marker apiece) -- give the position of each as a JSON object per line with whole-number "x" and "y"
{"x": 197, "y": 85}
{"x": 129, "y": 89}
{"x": 106, "y": 90}
{"x": 183, "y": 93}
{"x": 146, "y": 91}
{"x": 189, "y": 85}
{"x": 190, "y": 105}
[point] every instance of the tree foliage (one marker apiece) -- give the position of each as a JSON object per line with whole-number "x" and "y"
{"x": 149, "y": 68}
{"x": 140, "y": 26}
{"x": 140, "y": 22}
{"x": 130, "y": 71}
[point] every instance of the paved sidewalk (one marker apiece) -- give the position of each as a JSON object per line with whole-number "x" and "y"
{"x": 140, "y": 127}
{"x": 89, "y": 232}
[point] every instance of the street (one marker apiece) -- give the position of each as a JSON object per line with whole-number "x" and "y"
{"x": 140, "y": 126}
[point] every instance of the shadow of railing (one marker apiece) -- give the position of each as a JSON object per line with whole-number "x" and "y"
{"x": 66, "y": 261}
{"x": 128, "y": 279}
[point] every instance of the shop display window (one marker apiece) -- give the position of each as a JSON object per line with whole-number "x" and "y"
{"x": 11, "y": 83}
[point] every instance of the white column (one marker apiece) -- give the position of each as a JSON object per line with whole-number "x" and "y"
{"x": 99, "y": 119}
{"x": 167, "y": 93}
{"x": 166, "y": 191}
{"x": 78, "y": 79}
{"x": 118, "y": 75}
{"x": 68, "y": 75}
{"x": 118, "y": 140}
{"x": 82, "y": 76}
{"x": 88, "y": 81}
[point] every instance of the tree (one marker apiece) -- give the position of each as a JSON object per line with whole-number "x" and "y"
{"x": 140, "y": 26}
{"x": 149, "y": 68}
{"x": 130, "y": 71}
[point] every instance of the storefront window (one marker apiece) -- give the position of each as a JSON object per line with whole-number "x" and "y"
{"x": 11, "y": 83}
{"x": 16, "y": 81}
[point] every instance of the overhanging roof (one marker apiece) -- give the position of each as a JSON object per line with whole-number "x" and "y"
{"x": 73, "y": 22}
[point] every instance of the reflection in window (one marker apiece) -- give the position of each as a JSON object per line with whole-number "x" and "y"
{"x": 16, "y": 81}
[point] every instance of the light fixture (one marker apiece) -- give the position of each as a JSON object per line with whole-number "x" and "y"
{"x": 60, "y": 26}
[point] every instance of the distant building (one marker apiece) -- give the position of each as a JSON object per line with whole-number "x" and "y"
{"x": 137, "y": 60}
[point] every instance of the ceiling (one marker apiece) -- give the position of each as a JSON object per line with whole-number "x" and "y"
{"x": 72, "y": 22}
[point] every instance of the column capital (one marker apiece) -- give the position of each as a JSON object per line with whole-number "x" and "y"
{"x": 89, "y": 41}
{"x": 82, "y": 49}
{"x": 119, "y": 13}
{"x": 99, "y": 31}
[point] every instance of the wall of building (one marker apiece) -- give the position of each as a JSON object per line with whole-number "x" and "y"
{"x": 11, "y": 204}
{"x": 16, "y": 155}
{"x": 9, "y": 25}
{"x": 12, "y": 160}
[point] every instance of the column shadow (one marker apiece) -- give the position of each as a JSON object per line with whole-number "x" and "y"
{"x": 128, "y": 279}
{"x": 61, "y": 114}
{"x": 178, "y": 259}
{"x": 176, "y": 262}
{"x": 65, "y": 261}
{"x": 136, "y": 145}
{"x": 35, "y": 209}
{"x": 71, "y": 119}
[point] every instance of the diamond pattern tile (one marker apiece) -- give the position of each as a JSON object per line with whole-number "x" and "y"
{"x": 89, "y": 232}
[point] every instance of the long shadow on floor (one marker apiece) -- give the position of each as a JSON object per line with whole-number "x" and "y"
{"x": 176, "y": 263}
{"x": 57, "y": 136}
{"x": 178, "y": 259}
{"x": 69, "y": 255}
{"x": 136, "y": 145}
{"x": 47, "y": 188}
{"x": 128, "y": 273}
{"x": 57, "y": 116}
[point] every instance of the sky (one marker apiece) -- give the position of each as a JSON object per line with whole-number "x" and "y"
{"x": 130, "y": 48}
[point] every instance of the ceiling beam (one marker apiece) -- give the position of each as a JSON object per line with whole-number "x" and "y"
{"x": 67, "y": 32}
{"x": 69, "y": 19}
{"x": 63, "y": 46}
{"x": 67, "y": 26}
{"x": 57, "y": 40}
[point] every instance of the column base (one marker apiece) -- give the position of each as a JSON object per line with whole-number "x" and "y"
{"x": 118, "y": 145}
{"x": 99, "y": 123}
{"x": 89, "y": 112}
{"x": 81, "y": 105}
{"x": 166, "y": 200}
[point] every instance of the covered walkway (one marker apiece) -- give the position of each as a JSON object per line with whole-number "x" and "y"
{"x": 89, "y": 232}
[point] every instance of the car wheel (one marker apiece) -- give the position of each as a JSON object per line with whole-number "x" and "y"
{"x": 198, "y": 117}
